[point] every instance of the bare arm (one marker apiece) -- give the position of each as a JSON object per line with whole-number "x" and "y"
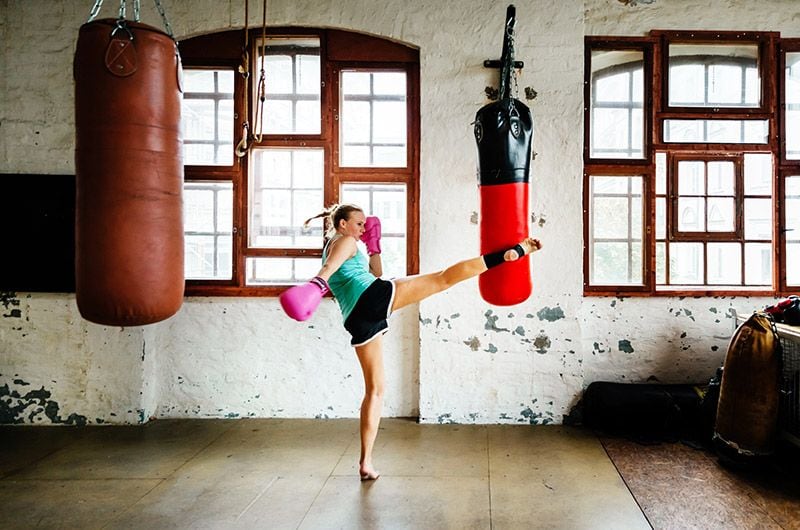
{"x": 341, "y": 250}
{"x": 375, "y": 265}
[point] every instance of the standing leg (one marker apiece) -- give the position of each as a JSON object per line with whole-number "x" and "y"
{"x": 416, "y": 288}
{"x": 370, "y": 356}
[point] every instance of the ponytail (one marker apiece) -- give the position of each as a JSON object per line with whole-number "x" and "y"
{"x": 333, "y": 214}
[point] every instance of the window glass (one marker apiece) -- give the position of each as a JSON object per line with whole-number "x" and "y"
{"x": 686, "y": 263}
{"x": 373, "y": 124}
{"x": 714, "y": 75}
{"x": 285, "y": 188}
{"x": 617, "y": 120}
{"x": 387, "y": 201}
{"x": 792, "y": 201}
{"x": 292, "y": 85}
{"x": 280, "y": 271}
{"x": 724, "y": 263}
{"x": 615, "y": 230}
{"x": 208, "y": 229}
{"x": 207, "y": 117}
{"x": 716, "y": 131}
{"x": 792, "y": 92}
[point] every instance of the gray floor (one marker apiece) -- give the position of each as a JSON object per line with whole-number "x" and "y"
{"x": 303, "y": 474}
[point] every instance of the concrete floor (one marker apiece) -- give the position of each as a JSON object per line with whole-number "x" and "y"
{"x": 303, "y": 474}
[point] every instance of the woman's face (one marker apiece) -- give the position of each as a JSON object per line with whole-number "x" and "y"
{"x": 354, "y": 226}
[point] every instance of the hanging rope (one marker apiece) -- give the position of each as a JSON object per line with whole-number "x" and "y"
{"x": 256, "y": 133}
{"x": 244, "y": 69}
{"x": 261, "y": 93}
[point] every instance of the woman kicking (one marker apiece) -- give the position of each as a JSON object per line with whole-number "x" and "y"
{"x": 366, "y": 300}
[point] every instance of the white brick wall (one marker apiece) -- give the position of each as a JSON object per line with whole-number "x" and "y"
{"x": 449, "y": 361}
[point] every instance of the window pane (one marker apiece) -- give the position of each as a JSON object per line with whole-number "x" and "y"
{"x": 691, "y": 178}
{"x": 661, "y": 218}
{"x": 277, "y": 271}
{"x": 285, "y": 189}
{"x": 758, "y": 174}
{"x": 617, "y": 121}
{"x": 661, "y": 173}
{"x": 387, "y": 201}
{"x": 686, "y": 263}
{"x": 721, "y": 178}
{"x": 207, "y": 117}
{"x": 792, "y": 201}
{"x": 691, "y": 214}
{"x": 758, "y": 219}
{"x": 661, "y": 263}
{"x": 615, "y": 231}
{"x": 208, "y": 228}
{"x": 792, "y": 90}
{"x": 758, "y": 264}
{"x": 720, "y": 215}
{"x": 373, "y": 119}
{"x": 292, "y": 68}
{"x": 724, "y": 263}
{"x": 793, "y": 264}
{"x": 713, "y": 75}
{"x": 716, "y": 131}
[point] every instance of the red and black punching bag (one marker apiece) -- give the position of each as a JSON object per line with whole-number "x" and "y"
{"x": 129, "y": 174}
{"x": 503, "y": 132}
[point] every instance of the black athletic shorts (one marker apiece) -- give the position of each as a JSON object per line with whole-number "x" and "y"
{"x": 368, "y": 318}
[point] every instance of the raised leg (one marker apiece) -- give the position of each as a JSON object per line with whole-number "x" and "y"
{"x": 370, "y": 356}
{"x": 413, "y": 289}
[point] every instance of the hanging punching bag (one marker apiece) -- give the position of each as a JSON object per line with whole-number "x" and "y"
{"x": 129, "y": 174}
{"x": 503, "y": 131}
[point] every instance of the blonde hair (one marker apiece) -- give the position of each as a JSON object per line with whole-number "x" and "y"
{"x": 332, "y": 215}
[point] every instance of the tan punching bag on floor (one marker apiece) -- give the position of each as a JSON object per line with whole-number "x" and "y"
{"x": 747, "y": 413}
{"x": 129, "y": 174}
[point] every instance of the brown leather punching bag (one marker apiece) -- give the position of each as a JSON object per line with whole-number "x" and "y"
{"x": 747, "y": 412}
{"x": 129, "y": 172}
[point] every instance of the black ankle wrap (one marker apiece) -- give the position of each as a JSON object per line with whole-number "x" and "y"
{"x": 496, "y": 258}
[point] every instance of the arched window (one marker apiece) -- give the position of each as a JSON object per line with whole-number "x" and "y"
{"x": 340, "y": 123}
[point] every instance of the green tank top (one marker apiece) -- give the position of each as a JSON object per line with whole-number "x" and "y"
{"x": 350, "y": 281}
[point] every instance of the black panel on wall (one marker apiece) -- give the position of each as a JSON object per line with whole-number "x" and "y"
{"x": 37, "y": 217}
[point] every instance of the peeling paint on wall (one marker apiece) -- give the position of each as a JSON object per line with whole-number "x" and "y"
{"x": 473, "y": 343}
{"x": 10, "y": 303}
{"x": 550, "y": 314}
{"x": 625, "y": 346}
{"x": 18, "y": 408}
{"x": 542, "y": 343}
{"x": 491, "y": 322}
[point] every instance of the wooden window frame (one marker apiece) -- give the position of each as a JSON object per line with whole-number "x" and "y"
{"x": 338, "y": 48}
{"x": 619, "y": 43}
{"x": 673, "y": 160}
{"x": 772, "y": 51}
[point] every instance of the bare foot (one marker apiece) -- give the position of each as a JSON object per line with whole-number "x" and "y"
{"x": 528, "y": 245}
{"x": 367, "y": 473}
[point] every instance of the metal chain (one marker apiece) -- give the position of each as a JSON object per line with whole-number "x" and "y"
{"x": 95, "y": 10}
{"x": 164, "y": 19}
{"x": 122, "y": 6}
{"x": 137, "y": 10}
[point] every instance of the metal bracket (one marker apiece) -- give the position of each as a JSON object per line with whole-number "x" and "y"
{"x": 497, "y": 63}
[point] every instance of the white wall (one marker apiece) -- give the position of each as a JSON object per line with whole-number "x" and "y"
{"x": 456, "y": 358}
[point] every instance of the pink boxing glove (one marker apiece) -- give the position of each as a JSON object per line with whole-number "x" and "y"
{"x": 300, "y": 301}
{"x": 372, "y": 235}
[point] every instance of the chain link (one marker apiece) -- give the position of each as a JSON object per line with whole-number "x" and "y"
{"x": 137, "y": 8}
{"x": 95, "y": 10}
{"x": 122, "y": 6}
{"x": 164, "y": 18}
